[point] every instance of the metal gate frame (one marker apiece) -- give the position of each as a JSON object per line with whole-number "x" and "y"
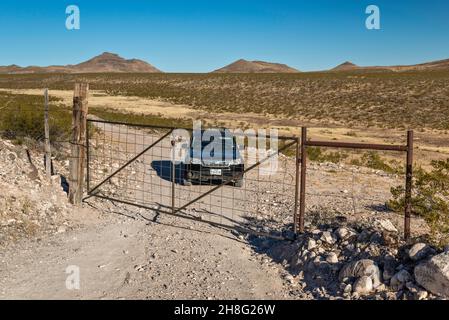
{"x": 177, "y": 211}
{"x": 408, "y": 149}
{"x": 300, "y": 175}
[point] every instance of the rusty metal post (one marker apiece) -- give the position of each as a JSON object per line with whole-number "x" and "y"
{"x": 297, "y": 185}
{"x": 408, "y": 185}
{"x": 47, "y": 157}
{"x": 88, "y": 158}
{"x": 173, "y": 175}
{"x": 302, "y": 192}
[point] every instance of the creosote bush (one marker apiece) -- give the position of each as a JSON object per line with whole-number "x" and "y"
{"x": 373, "y": 160}
{"x": 22, "y": 116}
{"x": 430, "y": 199}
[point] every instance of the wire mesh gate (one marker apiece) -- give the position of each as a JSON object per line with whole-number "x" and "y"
{"x": 134, "y": 164}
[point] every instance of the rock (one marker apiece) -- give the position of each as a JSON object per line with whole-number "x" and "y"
{"x": 363, "y": 285}
{"x": 387, "y": 225}
{"x": 327, "y": 237}
{"x": 363, "y": 236}
{"x": 61, "y": 229}
{"x": 389, "y": 267}
{"x": 360, "y": 268}
{"x": 290, "y": 278}
{"x": 332, "y": 258}
{"x": 376, "y": 237}
{"x": 421, "y": 295}
{"x": 419, "y": 251}
{"x": 311, "y": 244}
{"x": 342, "y": 233}
{"x": 433, "y": 275}
{"x": 399, "y": 280}
{"x": 347, "y": 288}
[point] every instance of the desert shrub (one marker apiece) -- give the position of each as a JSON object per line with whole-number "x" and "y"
{"x": 373, "y": 160}
{"x": 430, "y": 199}
{"x": 22, "y": 118}
{"x": 316, "y": 154}
{"x": 17, "y": 123}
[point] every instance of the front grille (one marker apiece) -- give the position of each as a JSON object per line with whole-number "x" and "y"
{"x": 215, "y": 164}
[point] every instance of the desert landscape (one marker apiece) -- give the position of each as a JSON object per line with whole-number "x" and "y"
{"x": 353, "y": 246}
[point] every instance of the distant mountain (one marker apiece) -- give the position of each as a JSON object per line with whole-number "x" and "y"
{"x": 346, "y": 66}
{"x": 434, "y": 65}
{"x": 244, "y": 66}
{"x": 106, "y": 62}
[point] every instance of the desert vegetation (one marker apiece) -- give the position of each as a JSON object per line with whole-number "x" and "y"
{"x": 357, "y": 99}
{"x": 429, "y": 200}
{"x": 22, "y": 116}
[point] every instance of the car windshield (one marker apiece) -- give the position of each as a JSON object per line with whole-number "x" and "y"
{"x": 227, "y": 142}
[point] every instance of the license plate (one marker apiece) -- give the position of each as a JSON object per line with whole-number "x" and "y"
{"x": 215, "y": 172}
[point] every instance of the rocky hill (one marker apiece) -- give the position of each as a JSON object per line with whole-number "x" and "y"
{"x": 106, "y": 62}
{"x": 244, "y": 66}
{"x": 428, "y": 66}
{"x": 345, "y": 66}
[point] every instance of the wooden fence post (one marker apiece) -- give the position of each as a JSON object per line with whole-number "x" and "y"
{"x": 78, "y": 142}
{"x": 47, "y": 137}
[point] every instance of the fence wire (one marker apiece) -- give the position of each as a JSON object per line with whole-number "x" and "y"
{"x": 262, "y": 201}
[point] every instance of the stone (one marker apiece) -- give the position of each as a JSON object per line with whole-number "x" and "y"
{"x": 433, "y": 274}
{"x": 347, "y": 288}
{"x": 399, "y": 280}
{"x": 342, "y": 233}
{"x": 363, "y": 285}
{"x": 419, "y": 251}
{"x": 360, "y": 268}
{"x": 387, "y": 225}
{"x": 363, "y": 236}
{"x": 61, "y": 229}
{"x": 311, "y": 244}
{"x": 327, "y": 237}
{"x": 421, "y": 295}
{"x": 389, "y": 267}
{"x": 332, "y": 258}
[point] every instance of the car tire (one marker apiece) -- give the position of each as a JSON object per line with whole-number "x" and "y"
{"x": 238, "y": 183}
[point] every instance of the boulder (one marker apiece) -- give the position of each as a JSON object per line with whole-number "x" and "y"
{"x": 389, "y": 267}
{"x": 387, "y": 225}
{"x": 433, "y": 275}
{"x": 363, "y": 285}
{"x": 360, "y": 268}
{"x": 399, "y": 280}
{"x": 419, "y": 251}
{"x": 342, "y": 233}
{"x": 327, "y": 237}
{"x": 311, "y": 244}
{"x": 332, "y": 258}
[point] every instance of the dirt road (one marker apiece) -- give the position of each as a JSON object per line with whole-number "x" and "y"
{"x": 124, "y": 254}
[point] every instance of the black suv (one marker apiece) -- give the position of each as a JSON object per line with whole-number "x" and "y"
{"x": 211, "y": 160}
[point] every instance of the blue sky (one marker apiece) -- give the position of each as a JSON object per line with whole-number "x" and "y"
{"x": 200, "y": 35}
